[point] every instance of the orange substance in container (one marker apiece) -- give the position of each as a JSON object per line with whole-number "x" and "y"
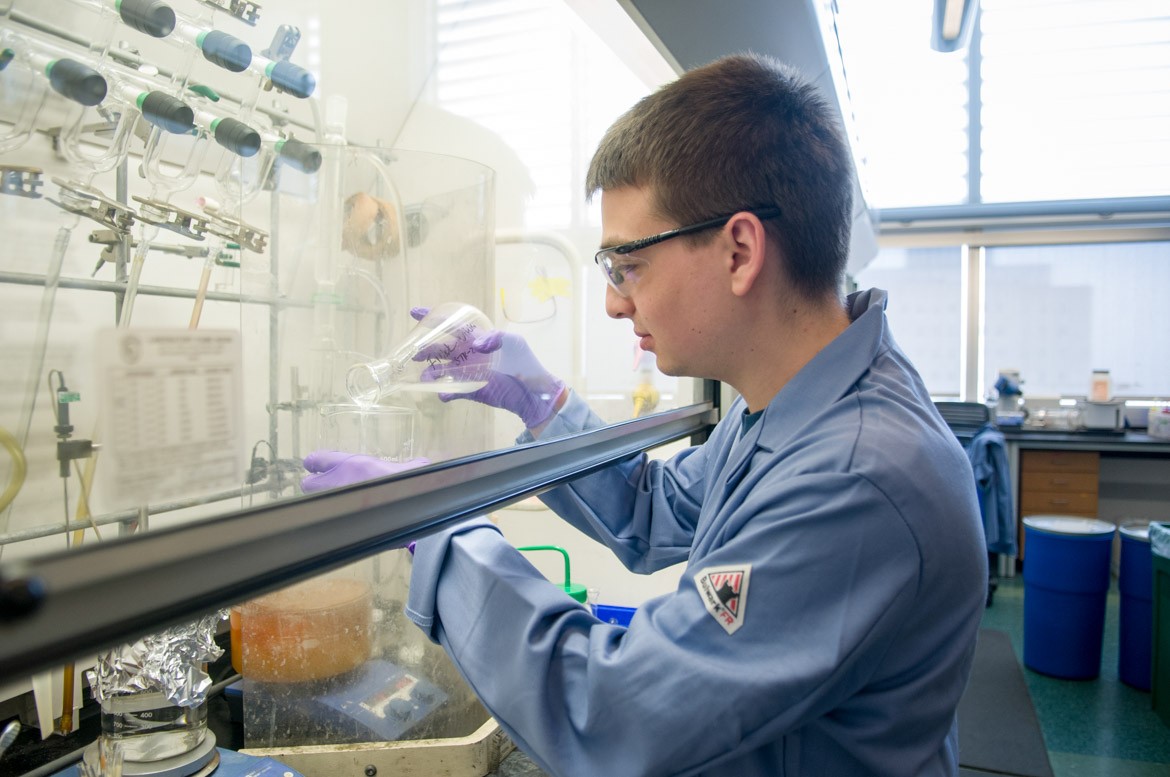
{"x": 309, "y": 631}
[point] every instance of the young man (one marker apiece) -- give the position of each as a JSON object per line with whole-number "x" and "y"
{"x": 835, "y": 574}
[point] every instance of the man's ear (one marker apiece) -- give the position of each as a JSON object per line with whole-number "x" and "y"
{"x": 748, "y": 244}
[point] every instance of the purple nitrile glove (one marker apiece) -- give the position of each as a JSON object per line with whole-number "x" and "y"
{"x": 333, "y": 469}
{"x": 517, "y": 382}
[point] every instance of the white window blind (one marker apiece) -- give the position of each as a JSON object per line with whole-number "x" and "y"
{"x": 531, "y": 72}
{"x": 909, "y": 103}
{"x": 1076, "y": 99}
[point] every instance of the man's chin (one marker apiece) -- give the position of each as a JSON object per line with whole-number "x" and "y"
{"x": 671, "y": 369}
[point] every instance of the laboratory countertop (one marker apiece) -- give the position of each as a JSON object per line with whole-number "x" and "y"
{"x": 1127, "y": 440}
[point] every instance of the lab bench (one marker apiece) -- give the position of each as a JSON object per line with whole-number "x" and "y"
{"x": 1114, "y": 476}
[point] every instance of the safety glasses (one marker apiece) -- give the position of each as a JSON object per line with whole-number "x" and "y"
{"x": 621, "y": 268}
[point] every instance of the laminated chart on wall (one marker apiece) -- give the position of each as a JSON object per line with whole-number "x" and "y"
{"x": 172, "y": 400}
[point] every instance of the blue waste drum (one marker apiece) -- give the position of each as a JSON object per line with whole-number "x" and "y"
{"x": 1066, "y": 579}
{"x": 1135, "y": 581}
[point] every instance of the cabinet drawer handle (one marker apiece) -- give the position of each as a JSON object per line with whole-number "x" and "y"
{"x": 1058, "y": 501}
{"x": 1059, "y": 482}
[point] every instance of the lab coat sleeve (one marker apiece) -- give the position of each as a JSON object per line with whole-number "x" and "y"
{"x": 644, "y": 510}
{"x": 833, "y": 573}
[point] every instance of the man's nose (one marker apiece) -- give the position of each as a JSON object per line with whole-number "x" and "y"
{"x": 617, "y": 306}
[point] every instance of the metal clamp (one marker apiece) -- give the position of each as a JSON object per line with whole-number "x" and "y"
{"x": 172, "y": 217}
{"x": 108, "y": 238}
{"x": 87, "y": 201}
{"x": 111, "y": 240}
{"x": 20, "y": 181}
{"x": 246, "y": 236}
{"x": 244, "y": 10}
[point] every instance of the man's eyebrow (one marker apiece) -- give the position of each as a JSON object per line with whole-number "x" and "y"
{"x": 612, "y": 242}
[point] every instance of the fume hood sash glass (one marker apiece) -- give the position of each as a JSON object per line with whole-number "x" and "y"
{"x": 166, "y": 576}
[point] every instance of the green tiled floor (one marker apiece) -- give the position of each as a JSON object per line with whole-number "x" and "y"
{"x": 1099, "y": 727}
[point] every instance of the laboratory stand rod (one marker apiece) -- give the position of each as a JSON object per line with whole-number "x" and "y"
{"x": 32, "y": 279}
{"x": 122, "y": 262}
{"x": 127, "y": 516}
{"x": 274, "y": 321}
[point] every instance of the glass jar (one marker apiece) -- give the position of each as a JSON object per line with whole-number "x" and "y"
{"x": 1100, "y": 386}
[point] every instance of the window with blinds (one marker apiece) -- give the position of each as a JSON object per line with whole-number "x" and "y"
{"x": 1072, "y": 99}
{"x": 909, "y": 103}
{"x": 1076, "y": 99}
{"x": 531, "y": 72}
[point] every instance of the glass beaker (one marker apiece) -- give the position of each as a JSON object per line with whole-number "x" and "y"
{"x": 436, "y": 357}
{"x": 375, "y": 430}
{"x": 150, "y": 727}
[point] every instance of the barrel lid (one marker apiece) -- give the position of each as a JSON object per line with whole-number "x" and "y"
{"x": 1061, "y": 524}
{"x": 1136, "y": 531}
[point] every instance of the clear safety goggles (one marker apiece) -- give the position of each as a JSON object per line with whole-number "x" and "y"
{"x": 621, "y": 268}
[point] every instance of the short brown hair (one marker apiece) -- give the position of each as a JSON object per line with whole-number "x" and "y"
{"x": 742, "y": 132}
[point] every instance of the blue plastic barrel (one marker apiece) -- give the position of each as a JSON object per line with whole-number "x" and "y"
{"x": 1136, "y": 583}
{"x": 1066, "y": 578}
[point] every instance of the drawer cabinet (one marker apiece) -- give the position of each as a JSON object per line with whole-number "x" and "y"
{"x": 1058, "y": 503}
{"x": 1060, "y": 461}
{"x": 1057, "y": 483}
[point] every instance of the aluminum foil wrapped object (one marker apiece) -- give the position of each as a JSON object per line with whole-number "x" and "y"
{"x": 169, "y": 661}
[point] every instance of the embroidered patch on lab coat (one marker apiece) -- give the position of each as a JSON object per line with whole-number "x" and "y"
{"x": 724, "y": 591}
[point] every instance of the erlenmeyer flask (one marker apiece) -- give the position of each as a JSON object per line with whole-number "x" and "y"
{"x": 436, "y": 357}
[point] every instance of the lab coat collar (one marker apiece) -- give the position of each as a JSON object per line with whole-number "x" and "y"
{"x": 825, "y": 379}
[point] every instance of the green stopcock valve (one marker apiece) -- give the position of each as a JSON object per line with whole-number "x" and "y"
{"x": 578, "y": 592}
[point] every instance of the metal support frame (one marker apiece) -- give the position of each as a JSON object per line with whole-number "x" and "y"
{"x": 975, "y": 111}
{"x": 117, "y": 287}
{"x": 971, "y": 312}
{"x": 134, "y": 515}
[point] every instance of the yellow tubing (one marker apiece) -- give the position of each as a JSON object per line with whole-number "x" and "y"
{"x": 201, "y": 294}
{"x": 82, "y": 512}
{"x": 19, "y": 468}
